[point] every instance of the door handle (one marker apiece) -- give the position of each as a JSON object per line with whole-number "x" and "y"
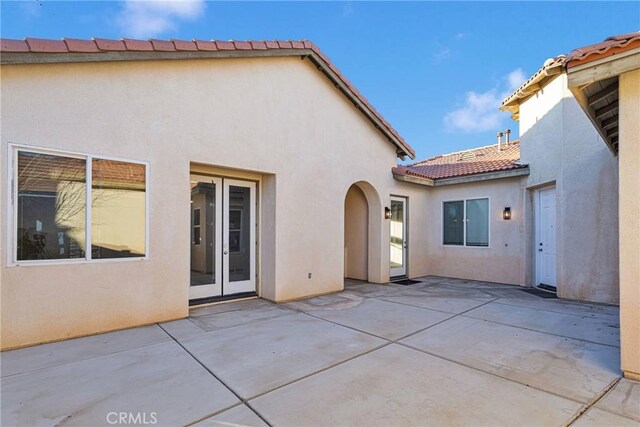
{"x": 227, "y": 252}
{"x": 540, "y": 250}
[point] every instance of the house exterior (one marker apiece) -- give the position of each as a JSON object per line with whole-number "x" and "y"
{"x": 460, "y": 187}
{"x": 605, "y": 79}
{"x": 143, "y": 177}
{"x": 571, "y": 202}
{"x": 201, "y": 147}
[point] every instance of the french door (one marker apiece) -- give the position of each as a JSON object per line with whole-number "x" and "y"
{"x": 223, "y": 236}
{"x": 398, "y": 237}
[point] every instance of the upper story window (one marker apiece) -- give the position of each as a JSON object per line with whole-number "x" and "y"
{"x": 59, "y": 216}
{"x": 466, "y": 222}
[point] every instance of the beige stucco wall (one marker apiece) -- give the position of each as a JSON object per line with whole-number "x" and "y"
{"x": 502, "y": 261}
{"x": 629, "y": 158}
{"x": 563, "y": 149}
{"x": 278, "y": 117}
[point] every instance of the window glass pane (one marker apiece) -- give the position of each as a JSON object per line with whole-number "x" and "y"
{"x": 203, "y": 249}
{"x": 51, "y": 206}
{"x": 453, "y": 223}
{"x": 478, "y": 222}
{"x": 239, "y": 233}
{"x": 396, "y": 259}
{"x": 118, "y": 217}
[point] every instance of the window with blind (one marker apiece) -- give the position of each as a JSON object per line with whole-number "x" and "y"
{"x": 58, "y": 216}
{"x": 466, "y": 222}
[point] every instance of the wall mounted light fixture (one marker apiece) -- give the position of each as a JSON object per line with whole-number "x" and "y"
{"x": 387, "y": 213}
{"x": 506, "y": 213}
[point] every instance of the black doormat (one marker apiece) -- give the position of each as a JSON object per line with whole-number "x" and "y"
{"x": 405, "y": 282}
{"x": 540, "y": 293}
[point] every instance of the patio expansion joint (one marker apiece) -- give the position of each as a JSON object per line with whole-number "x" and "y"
{"x": 593, "y": 401}
{"x": 100, "y": 356}
{"x": 541, "y": 332}
{"x": 433, "y": 309}
{"x": 499, "y": 301}
{"x": 242, "y": 400}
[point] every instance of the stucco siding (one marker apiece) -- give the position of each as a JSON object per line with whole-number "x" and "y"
{"x": 629, "y": 154}
{"x": 563, "y": 149}
{"x": 502, "y": 261}
{"x": 278, "y": 117}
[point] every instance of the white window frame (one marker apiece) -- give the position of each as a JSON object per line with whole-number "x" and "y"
{"x": 12, "y": 207}
{"x": 464, "y": 223}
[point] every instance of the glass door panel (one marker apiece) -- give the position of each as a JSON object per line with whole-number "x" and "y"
{"x": 398, "y": 238}
{"x": 239, "y": 240}
{"x": 206, "y": 231}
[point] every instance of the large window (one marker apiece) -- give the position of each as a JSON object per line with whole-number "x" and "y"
{"x": 466, "y": 222}
{"x": 58, "y": 215}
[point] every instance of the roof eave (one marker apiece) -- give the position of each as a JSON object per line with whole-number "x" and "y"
{"x": 539, "y": 80}
{"x": 464, "y": 179}
{"x": 403, "y": 150}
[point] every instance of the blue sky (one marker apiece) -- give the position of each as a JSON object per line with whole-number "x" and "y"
{"x": 436, "y": 71}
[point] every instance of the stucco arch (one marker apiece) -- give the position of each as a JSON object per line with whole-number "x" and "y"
{"x": 363, "y": 233}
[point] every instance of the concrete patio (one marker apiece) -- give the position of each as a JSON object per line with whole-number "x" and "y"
{"x": 439, "y": 352}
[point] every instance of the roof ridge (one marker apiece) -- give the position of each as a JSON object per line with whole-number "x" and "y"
{"x": 463, "y": 151}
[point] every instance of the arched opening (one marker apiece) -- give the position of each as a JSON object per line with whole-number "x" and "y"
{"x": 363, "y": 224}
{"x": 356, "y": 234}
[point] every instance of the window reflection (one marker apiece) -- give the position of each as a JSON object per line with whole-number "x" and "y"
{"x": 118, "y": 214}
{"x": 51, "y": 206}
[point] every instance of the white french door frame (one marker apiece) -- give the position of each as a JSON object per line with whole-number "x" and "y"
{"x": 213, "y": 289}
{"x": 400, "y": 271}
{"x": 229, "y": 287}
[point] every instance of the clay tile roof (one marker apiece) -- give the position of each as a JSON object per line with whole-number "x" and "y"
{"x": 98, "y": 46}
{"x": 468, "y": 162}
{"x": 611, "y": 46}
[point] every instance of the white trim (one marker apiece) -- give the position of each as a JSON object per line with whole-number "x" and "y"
{"x": 12, "y": 247}
{"x": 400, "y": 271}
{"x": 538, "y": 237}
{"x": 464, "y": 223}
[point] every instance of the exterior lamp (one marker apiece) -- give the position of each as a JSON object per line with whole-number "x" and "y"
{"x": 506, "y": 213}
{"x": 387, "y": 213}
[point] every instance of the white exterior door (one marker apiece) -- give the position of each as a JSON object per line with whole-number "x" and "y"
{"x": 239, "y": 237}
{"x": 223, "y": 237}
{"x": 546, "y": 237}
{"x": 398, "y": 237}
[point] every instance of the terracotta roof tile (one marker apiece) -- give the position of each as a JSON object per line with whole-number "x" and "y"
{"x": 611, "y": 46}
{"x": 205, "y": 45}
{"x": 469, "y": 162}
{"x": 184, "y": 45}
{"x": 46, "y": 45}
{"x": 99, "y": 45}
{"x": 162, "y": 45}
{"x": 81, "y": 46}
{"x": 242, "y": 45}
{"x": 258, "y": 45}
{"x": 138, "y": 45}
{"x": 10, "y": 45}
{"x": 109, "y": 45}
{"x": 222, "y": 45}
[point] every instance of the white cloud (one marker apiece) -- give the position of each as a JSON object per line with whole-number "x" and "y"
{"x": 144, "y": 19}
{"x": 442, "y": 54}
{"x": 480, "y": 110}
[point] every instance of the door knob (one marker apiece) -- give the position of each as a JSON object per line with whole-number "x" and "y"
{"x": 227, "y": 252}
{"x": 540, "y": 250}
